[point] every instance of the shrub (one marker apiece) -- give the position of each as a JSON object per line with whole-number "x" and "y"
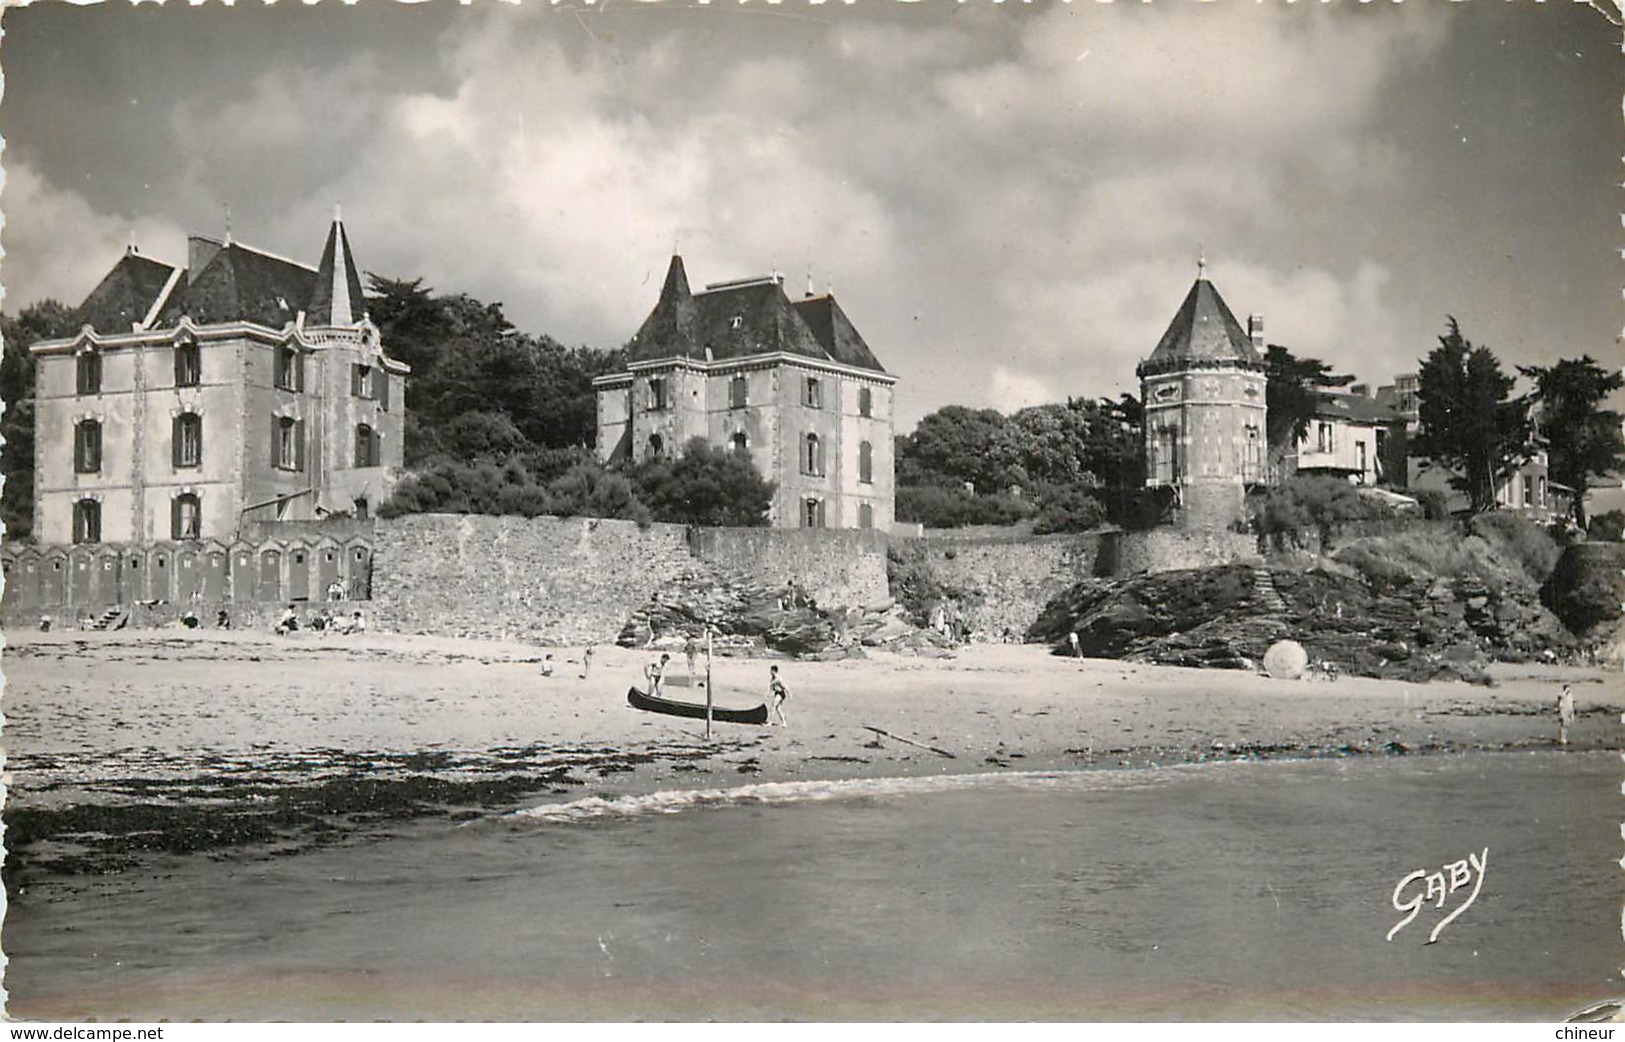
{"x": 1312, "y": 502}
{"x": 1068, "y": 509}
{"x": 705, "y": 486}
{"x": 1607, "y": 528}
{"x": 1435, "y": 503}
{"x": 1519, "y": 541}
{"x": 938, "y": 507}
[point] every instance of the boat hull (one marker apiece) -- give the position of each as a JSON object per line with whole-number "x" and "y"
{"x": 638, "y": 700}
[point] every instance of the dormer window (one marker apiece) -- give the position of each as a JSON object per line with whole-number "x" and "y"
{"x": 737, "y": 322}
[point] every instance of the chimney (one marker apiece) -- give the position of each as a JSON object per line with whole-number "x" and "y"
{"x": 1255, "y": 331}
{"x": 1361, "y": 390}
{"x": 200, "y": 250}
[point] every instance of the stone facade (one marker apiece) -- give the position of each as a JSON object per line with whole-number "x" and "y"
{"x": 1203, "y": 392}
{"x": 195, "y": 401}
{"x": 791, "y": 383}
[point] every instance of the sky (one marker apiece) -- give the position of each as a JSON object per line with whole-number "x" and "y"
{"x": 1009, "y": 200}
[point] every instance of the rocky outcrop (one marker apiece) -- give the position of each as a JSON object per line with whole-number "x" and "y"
{"x": 745, "y": 615}
{"x": 1227, "y": 617}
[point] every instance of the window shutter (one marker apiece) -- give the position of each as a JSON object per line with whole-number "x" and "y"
{"x": 177, "y": 434}
{"x": 95, "y": 447}
{"x": 197, "y": 436}
{"x": 299, "y": 445}
{"x": 276, "y": 442}
{"x": 383, "y": 388}
{"x": 361, "y": 446}
{"x": 175, "y": 518}
{"x": 298, "y": 371}
{"x": 355, "y": 380}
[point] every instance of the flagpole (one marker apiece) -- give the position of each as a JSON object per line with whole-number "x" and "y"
{"x": 708, "y": 683}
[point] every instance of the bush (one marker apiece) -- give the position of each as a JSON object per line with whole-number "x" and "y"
{"x": 1312, "y": 502}
{"x": 1435, "y": 503}
{"x": 937, "y": 507}
{"x": 913, "y": 584}
{"x": 705, "y": 486}
{"x": 1607, "y": 528}
{"x": 1519, "y": 541}
{"x": 1068, "y": 509}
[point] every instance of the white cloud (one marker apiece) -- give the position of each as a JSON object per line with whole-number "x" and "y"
{"x": 67, "y": 245}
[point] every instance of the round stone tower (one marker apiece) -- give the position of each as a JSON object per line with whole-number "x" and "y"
{"x": 1203, "y": 389}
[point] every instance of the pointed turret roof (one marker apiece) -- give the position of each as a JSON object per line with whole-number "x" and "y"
{"x": 1203, "y": 330}
{"x": 336, "y": 299}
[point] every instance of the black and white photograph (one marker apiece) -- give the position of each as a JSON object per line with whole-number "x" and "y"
{"x": 800, "y": 511}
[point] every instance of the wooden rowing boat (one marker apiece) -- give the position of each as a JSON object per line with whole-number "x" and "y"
{"x": 696, "y": 711}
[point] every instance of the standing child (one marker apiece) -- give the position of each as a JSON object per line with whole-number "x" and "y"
{"x": 547, "y": 664}
{"x": 655, "y": 671}
{"x": 1565, "y": 715}
{"x": 691, "y": 648}
{"x": 586, "y": 661}
{"x": 776, "y": 688}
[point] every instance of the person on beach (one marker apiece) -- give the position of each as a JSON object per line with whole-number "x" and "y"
{"x": 691, "y": 648}
{"x": 586, "y": 661}
{"x": 1565, "y": 715}
{"x": 776, "y": 688}
{"x": 289, "y": 621}
{"x": 547, "y": 665}
{"x": 655, "y": 672}
{"x": 1072, "y": 639}
{"x": 222, "y": 620}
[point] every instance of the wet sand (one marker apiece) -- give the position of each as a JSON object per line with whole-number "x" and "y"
{"x": 123, "y": 744}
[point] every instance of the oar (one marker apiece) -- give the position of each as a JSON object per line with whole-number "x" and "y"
{"x": 908, "y": 741}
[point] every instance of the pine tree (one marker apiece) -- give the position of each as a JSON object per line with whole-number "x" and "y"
{"x": 1468, "y": 422}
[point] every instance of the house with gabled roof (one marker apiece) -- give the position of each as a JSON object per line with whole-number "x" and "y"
{"x": 1203, "y": 388}
{"x": 194, "y": 401}
{"x": 791, "y": 382}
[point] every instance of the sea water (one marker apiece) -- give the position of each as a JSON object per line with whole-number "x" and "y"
{"x": 1215, "y": 892}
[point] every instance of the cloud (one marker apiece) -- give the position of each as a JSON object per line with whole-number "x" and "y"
{"x": 1009, "y": 204}
{"x": 64, "y": 244}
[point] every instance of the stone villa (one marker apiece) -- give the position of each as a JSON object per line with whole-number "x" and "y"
{"x": 742, "y": 365}
{"x": 194, "y": 401}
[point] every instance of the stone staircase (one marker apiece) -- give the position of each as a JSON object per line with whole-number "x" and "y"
{"x": 111, "y": 619}
{"x": 1272, "y": 609}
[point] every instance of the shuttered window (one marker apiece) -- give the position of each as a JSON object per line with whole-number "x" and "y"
{"x": 87, "y": 447}
{"x": 87, "y": 521}
{"x": 737, "y": 393}
{"x": 186, "y": 435}
{"x": 866, "y": 463}
{"x": 188, "y": 364}
{"x": 866, "y": 402}
{"x": 366, "y": 446}
{"x": 186, "y": 517}
{"x": 290, "y": 369}
{"x": 88, "y": 374}
{"x": 812, "y": 456}
{"x": 288, "y": 443}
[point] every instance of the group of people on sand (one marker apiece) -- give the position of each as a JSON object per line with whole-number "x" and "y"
{"x": 319, "y": 621}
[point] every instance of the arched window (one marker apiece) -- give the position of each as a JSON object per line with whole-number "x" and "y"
{"x": 186, "y": 440}
{"x": 88, "y": 378}
{"x": 812, "y": 513}
{"x": 812, "y": 455}
{"x": 866, "y": 516}
{"x": 866, "y": 463}
{"x": 188, "y": 364}
{"x": 741, "y": 441}
{"x": 656, "y": 446}
{"x": 87, "y": 521}
{"x": 87, "y": 447}
{"x": 737, "y": 393}
{"x": 814, "y": 397}
{"x": 866, "y": 402}
{"x": 186, "y": 516}
{"x": 366, "y": 446}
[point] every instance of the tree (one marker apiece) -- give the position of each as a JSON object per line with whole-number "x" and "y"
{"x": 705, "y": 486}
{"x": 955, "y": 445}
{"x": 1583, "y": 440}
{"x": 45, "y": 320}
{"x": 1291, "y": 394}
{"x": 1467, "y": 421}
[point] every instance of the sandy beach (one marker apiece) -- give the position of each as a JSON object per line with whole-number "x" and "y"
{"x": 183, "y": 741}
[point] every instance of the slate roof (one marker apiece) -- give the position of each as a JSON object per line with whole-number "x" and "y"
{"x": 336, "y": 298}
{"x": 236, "y": 283}
{"x": 1356, "y": 409}
{"x": 1203, "y": 330}
{"x": 752, "y": 318}
{"x": 125, "y": 294}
